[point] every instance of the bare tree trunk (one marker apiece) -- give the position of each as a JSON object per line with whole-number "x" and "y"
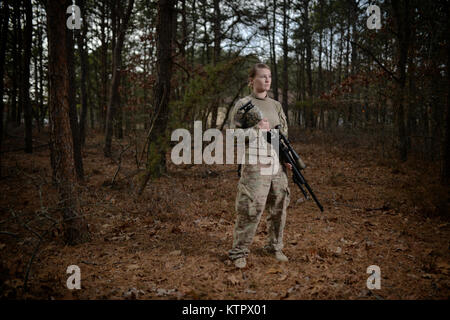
{"x": 330, "y": 67}
{"x": 285, "y": 60}
{"x": 4, "y": 30}
{"x": 302, "y": 75}
{"x": 347, "y": 51}
{"x": 320, "y": 75}
{"x": 75, "y": 227}
{"x": 216, "y": 57}
{"x": 445, "y": 163}
{"x": 43, "y": 110}
{"x": 25, "y": 86}
{"x": 184, "y": 30}
{"x": 401, "y": 14}
{"x": 194, "y": 30}
{"x": 103, "y": 103}
{"x": 36, "y": 111}
{"x": 156, "y": 164}
{"x": 117, "y": 118}
{"x": 309, "y": 116}
{"x": 18, "y": 62}
{"x": 73, "y": 116}
{"x": 339, "y": 71}
{"x": 114, "y": 96}
{"x": 274, "y": 55}
{"x": 82, "y": 47}
{"x": 205, "y": 54}
{"x": 411, "y": 126}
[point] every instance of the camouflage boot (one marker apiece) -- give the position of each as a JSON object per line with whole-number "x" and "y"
{"x": 240, "y": 263}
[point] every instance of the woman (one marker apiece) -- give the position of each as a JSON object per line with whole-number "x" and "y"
{"x": 257, "y": 191}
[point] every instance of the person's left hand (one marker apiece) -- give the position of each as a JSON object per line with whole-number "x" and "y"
{"x": 288, "y": 165}
{"x": 264, "y": 124}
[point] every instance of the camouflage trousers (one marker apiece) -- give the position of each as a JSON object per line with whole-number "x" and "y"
{"x": 255, "y": 192}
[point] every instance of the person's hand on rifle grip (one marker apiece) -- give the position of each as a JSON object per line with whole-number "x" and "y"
{"x": 287, "y": 165}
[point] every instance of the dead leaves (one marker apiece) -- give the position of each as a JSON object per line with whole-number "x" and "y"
{"x": 233, "y": 280}
{"x": 401, "y": 247}
{"x": 164, "y": 292}
{"x": 282, "y": 274}
{"x": 283, "y": 277}
{"x": 274, "y": 270}
{"x": 291, "y": 290}
{"x": 443, "y": 266}
{"x": 175, "y": 229}
{"x": 121, "y": 237}
{"x": 133, "y": 294}
{"x": 132, "y": 267}
{"x": 322, "y": 265}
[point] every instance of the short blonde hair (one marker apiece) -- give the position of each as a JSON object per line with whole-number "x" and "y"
{"x": 252, "y": 71}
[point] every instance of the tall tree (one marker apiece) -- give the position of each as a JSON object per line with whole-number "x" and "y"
{"x": 402, "y": 14}
{"x": 17, "y": 65}
{"x": 103, "y": 101}
{"x": 274, "y": 54}
{"x": 156, "y": 164}
{"x": 309, "y": 116}
{"x": 216, "y": 55}
{"x": 4, "y": 18}
{"x": 82, "y": 49}
{"x": 73, "y": 114}
{"x": 114, "y": 95}
{"x": 285, "y": 59}
{"x": 25, "y": 85}
{"x": 14, "y": 73}
{"x": 194, "y": 18}
{"x": 445, "y": 164}
{"x": 61, "y": 139}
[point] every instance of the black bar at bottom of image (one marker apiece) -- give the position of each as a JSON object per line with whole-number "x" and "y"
{"x": 225, "y": 309}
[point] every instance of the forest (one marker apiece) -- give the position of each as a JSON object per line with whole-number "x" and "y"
{"x": 91, "y": 92}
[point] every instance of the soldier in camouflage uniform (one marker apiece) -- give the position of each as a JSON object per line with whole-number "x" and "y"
{"x": 257, "y": 191}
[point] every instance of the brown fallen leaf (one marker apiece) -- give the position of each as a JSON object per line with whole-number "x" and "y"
{"x": 274, "y": 270}
{"x": 283, "y": 277}
{"x": 133, "y": 266}
{"x": 401, "y": 247}
{"x": 233, "y": 280}
{"x": 175, "y": 229}
{"x": 443, "y": 266}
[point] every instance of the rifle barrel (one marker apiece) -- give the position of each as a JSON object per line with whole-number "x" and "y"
{"x": 290, "y": 156}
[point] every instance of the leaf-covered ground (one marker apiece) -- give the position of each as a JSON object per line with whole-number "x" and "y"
{"x": 172, "y": 242}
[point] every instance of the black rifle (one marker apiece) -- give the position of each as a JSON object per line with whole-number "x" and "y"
{"x": 288, "y": 155}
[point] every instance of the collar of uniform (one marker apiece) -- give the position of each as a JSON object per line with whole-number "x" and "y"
{"x": 254, "y": 96}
